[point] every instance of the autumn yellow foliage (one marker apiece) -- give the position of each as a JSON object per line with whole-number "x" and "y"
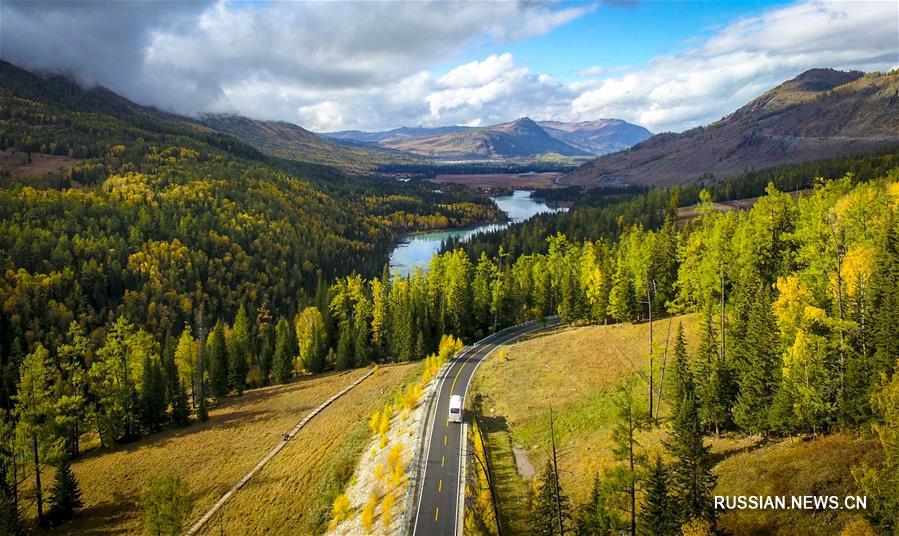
{"x": 387, "y": 509}
{"x": 340, "y": 510}
{"x": 367, "y": 516}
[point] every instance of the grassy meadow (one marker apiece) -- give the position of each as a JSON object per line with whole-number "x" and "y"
{"x": 212, "y": 456}
{"x": 293, "y": 493}
{"x": 794, "y": 468}
{"x": 577, "y": 369}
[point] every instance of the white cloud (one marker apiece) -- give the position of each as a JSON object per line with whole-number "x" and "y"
{"x": 321, "y": 116}
{"x": 744, "y": 59}
{"x": 266, "y": 59}
{"x": 483, "y": 92}
{"x": 591, "y": 72}
{"x": 368, "y": 65}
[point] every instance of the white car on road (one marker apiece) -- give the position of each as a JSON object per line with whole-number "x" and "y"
{"x": 455, "y": 408}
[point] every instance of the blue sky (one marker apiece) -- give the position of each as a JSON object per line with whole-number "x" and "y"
{"x": 666, "y": 65}
{"x": 625, "y": 35}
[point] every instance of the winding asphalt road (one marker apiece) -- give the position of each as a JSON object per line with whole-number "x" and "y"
{"x": 438, "y": 508}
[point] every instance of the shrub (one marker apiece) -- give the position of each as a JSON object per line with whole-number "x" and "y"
{"x": 166, "y": 502}
{"x": 387, "y": 510}
{"x": 367, "y": 517}
{"x": 340, "y": 510}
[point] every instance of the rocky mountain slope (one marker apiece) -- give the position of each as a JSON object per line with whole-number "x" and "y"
{"x": 821, "y": 113}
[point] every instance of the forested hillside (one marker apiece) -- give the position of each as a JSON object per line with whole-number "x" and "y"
{"x": 151, "y": 228}
{"x": 605, "y": 212}
{"x": 798, "y": 331}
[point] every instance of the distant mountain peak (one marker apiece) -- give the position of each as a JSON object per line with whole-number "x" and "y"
{"x": 521, "y": 126}
{"x": 822, "y": 79}
{"x": 802, "y": 88}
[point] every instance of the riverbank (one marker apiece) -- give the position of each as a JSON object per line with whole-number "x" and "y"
{"x": 415, "y": 251}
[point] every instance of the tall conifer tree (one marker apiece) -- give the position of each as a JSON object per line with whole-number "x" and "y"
{"x": 217, "y": 359}
{"x": 239, "y": 357}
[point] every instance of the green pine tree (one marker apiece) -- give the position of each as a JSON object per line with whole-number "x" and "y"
{"x": 34, "y": 413}
{"x": 623, "y": 296}
{"x": 593, "y": 516}
{"x": 283, "y": 358}
{"x": 548, "y": 503}
{"x": 239, "y": 357}
{"x": 712, "y": 392}
{"x": 630, "y": 417}
{"x": 167, "y": 503}
{"x": 65, "y": 496}
{"x": 884, "y": 301}
{"x": 266, "y": 352}
{"x": 310, "y": 329}
{"x": 345, "y": 346}
{"x": 681, "y": 376}
{"x": 217, "y": 361}
{"x": 151, "y": 403}
{"x": 881, "y": 482}
{"x": 692, "y": 478}
{"x": 10, "y": 525}
{"x": 759, "y": 364}
{"x": 203, "y": 410}
{"x": 180, "y": 410}
{"x": 659, "y": 515}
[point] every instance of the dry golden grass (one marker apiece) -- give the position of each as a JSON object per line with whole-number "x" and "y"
{"x": 576, "y": 370}
{"x": 818, "y": 467}
{"x": 293, "y": 493}
{"x": 16, "y": 163}
{"x": 214, "y": 455}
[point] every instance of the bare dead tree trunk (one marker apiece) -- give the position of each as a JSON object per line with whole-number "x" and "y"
{"x": 38, "y": 495}
{"x": 556, "y": 491}
{"x": 723, "y": 303}
{"x": 201, "y": 351}
{"x": 651, "y": 363}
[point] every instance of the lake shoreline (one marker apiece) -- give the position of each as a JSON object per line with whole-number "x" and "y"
{"x": 415, "y": 250}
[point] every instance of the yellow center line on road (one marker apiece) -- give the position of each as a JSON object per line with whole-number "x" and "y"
{"x": 442, "y": 460}
{"x": 440, "y": 486}
{"x": 436, "y": 513}
{"x": 444, "y": 440}
{"x": 453, "y": 386}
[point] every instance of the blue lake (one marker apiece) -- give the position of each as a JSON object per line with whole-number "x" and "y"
{"x": 417, "y": 250}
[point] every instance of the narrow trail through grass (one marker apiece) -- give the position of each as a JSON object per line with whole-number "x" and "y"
{"x": 210, "y": 457}
{"x": 293, "y": 494}
{"x": 272, "y": 453}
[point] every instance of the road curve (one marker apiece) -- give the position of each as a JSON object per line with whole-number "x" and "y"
{"x": 438, "y": 508}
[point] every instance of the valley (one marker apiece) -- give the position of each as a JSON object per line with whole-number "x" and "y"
{"x": 530, "y": 179}
{"x": 446, "y": 269}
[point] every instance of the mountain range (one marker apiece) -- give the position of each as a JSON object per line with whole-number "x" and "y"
{"x": 520, "y": 138}
{"x": 821, "y": 113}
{"x": 293, "y": 142}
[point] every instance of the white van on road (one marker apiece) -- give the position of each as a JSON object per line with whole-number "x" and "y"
{"x": 455, "y": 408}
